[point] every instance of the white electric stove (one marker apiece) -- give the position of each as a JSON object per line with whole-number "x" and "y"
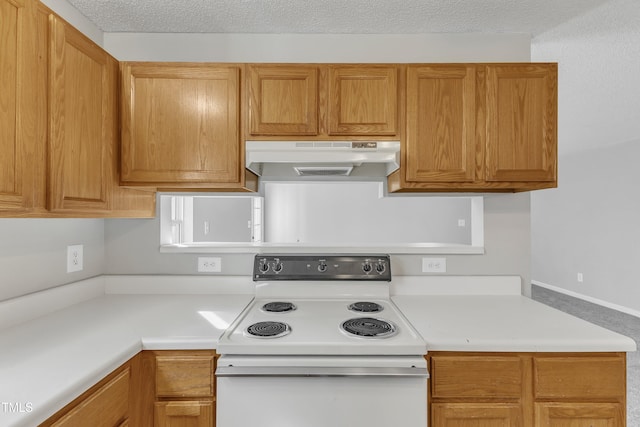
{"x": 323, "y": 336}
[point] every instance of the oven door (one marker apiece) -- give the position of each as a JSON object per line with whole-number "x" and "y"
{"x": 366, "y": 391}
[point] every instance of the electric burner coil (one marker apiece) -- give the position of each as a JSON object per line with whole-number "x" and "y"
{"x": 279, "y": 307}
{"x": 369, "y": 327}
{"x": 268, "y": 330}
{"x": 365, "y": 307}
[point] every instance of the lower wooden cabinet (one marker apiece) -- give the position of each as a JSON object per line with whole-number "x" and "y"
{"x": 104, "y": 405}
{"x": 476, "y": 415}
{"x": 579, "y": 414}
{"x": 527, "y": 389}
{"x": 177, "y": 389}
{"x": 184, "y": 413}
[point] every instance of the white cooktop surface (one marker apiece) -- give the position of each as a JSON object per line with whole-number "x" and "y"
{"x": 315, "y": 324}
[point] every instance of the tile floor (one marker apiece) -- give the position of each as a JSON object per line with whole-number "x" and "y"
{"x": 611, "y": 319}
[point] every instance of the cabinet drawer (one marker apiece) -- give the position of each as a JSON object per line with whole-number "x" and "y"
{"x": 579, "y": 377}
{"x": 184, "y": 413}
{"x": 107, "y": 407}
{"x": 476, "y": 414}
{"x": 476, "y": 377}
{"x": 184, "y": 376}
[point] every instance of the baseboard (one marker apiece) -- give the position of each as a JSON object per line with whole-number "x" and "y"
{"x": 587, "y": 298}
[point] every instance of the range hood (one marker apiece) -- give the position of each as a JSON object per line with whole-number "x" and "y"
{"x": 322, "y": 158}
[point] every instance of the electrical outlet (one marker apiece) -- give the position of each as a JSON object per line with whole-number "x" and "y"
{"x": 580, "y": 278}
{"x": 74, "y": 258}
{"x": 209, "y": 264}
{"x": 462, "y": 223}
{"x": 434, "y": 265}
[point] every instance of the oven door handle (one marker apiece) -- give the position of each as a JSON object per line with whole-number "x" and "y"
{"x": 324, "y": 371}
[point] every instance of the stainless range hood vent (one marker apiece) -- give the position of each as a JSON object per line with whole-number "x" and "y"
{"x": 322, "y": 158}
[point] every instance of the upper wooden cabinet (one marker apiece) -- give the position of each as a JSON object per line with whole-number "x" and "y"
{"x": 83, "y": 131}
{"x": 82, "y": 104}
{"x": 521, "y": 124}
{"x": 479, "y": 127}
{"x": 20, "y": 132}
{"x": 181, "y": 126}
{"x": 362, "y": 100}
{"x": 322, "y": 101}
{"x": 441, "y": 114}
{"x": 283, "y": 100}
{"x": 58, "y": 121}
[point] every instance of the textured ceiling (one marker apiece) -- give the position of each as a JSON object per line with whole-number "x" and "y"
{"x": 332, "y": 16}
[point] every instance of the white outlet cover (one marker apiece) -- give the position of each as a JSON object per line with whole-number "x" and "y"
{"x": 434, "y": 265}
{"x": 209, "y": 264}
{"x": 74, "y": 258}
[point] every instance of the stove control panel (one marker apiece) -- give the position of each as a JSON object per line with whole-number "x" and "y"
{"x": 322, "y": 267}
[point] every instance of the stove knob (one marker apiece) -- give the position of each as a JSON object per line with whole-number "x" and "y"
{"x": 263, "y": 267}
{"x": 380, "y": 267}
{"x": 277, "y": 267}
{"x": 366, "y": 267}
{"x": 322, "y": 267}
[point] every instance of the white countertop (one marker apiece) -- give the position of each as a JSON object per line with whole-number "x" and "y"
{"x": 49, "y": 360}
{"x": 509, "y": 323}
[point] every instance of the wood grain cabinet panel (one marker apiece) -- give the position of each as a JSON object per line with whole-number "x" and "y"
{"x": 521, "y": 136}
{"x": 572, "y": 414}
{"x": 58, "y": 121}
{"x": 579, "y": 378}
{"x": 177, "y": 389}
{"x": 283, "y": 100}
{"x": 363, "y": 100}
{"x": 479, "y": 127}
{"x": 476, "y": 377}
{"x": 184, "y": 414}
{"x": 323, "y": 101}
{"x": 82, "y": 104}
{"x": 440, "y": 144}
{"x": 107, "y": 407}
{"x": 181, "y": 126}
{"x": 21, "y": 108}
{"x": 476, "y": 415}
{"x": 184, "y": 376}
{"x": 527, "y": 389}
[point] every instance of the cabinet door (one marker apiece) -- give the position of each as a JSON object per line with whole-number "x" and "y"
{"x": 82, "y": 108}
{"x": 180, "y": 124}
{"x": 521, "y": 135}
{"x": 21, "y": 147}
{"x": 184, "y": 414}
{"x": 440, "y": 141}
{"x": 363, "y": 100}
{"x": 476, "y": 415}
{"x": 107, "y": 407}
{"x": 283, "y": 100}
{"x": 579, "y": 414}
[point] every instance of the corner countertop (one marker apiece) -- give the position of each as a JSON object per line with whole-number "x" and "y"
{"x": 85, "y": 330}
{"x": 48, "y": 361}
